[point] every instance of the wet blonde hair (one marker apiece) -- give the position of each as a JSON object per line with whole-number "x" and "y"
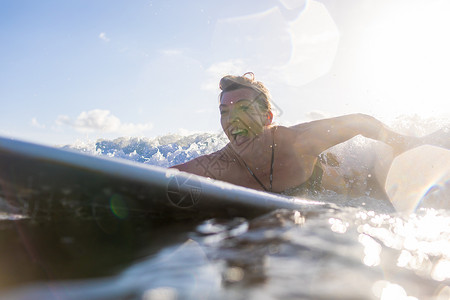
{"x": 230, "y": 83}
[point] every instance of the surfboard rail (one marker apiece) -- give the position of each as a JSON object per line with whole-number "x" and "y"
{"x": 40, "y": 180}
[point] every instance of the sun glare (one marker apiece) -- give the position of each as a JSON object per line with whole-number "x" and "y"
{"x": 407, "y": 56}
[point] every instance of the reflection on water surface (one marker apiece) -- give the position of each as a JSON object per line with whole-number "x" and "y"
{"x": 344, "y": 253}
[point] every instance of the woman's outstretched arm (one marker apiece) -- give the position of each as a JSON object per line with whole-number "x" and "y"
{"x": 323, "y": 134}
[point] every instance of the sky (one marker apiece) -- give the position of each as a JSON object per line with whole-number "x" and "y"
{"x": 79, "y": 70}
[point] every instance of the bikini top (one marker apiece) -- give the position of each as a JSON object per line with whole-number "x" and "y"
{"x": 271, "y": 168}
{"x": 310, "y": 187}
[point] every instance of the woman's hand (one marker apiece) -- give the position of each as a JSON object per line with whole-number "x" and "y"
{"x": 399, "y": 143}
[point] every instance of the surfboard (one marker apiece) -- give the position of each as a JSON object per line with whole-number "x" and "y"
{"x": 43, "y": 181}
{"x": 420, "y": 178}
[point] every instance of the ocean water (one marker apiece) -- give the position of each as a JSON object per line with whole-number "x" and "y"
{"x": 360, "y": 249}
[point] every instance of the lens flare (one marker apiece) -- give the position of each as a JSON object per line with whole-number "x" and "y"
{"x": 419, "y": 178}
{"x": 118, "y": 206}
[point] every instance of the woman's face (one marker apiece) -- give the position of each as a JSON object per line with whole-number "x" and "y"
{"x": 241, "y": 116}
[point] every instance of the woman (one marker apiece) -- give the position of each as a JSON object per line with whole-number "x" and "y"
{"x": 280, "y": 159}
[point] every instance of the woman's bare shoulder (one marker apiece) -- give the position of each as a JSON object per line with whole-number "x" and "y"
{"x": 304, "y": 127}
{"x": 279, "y": 129}
{"x": 285, "y": 133}
{"x": 299, "y": 138}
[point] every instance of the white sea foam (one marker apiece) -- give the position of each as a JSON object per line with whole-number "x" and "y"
{"x": 164, "y": 151}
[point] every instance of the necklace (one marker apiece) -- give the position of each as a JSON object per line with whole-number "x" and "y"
{"x": 271, "y": 168}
